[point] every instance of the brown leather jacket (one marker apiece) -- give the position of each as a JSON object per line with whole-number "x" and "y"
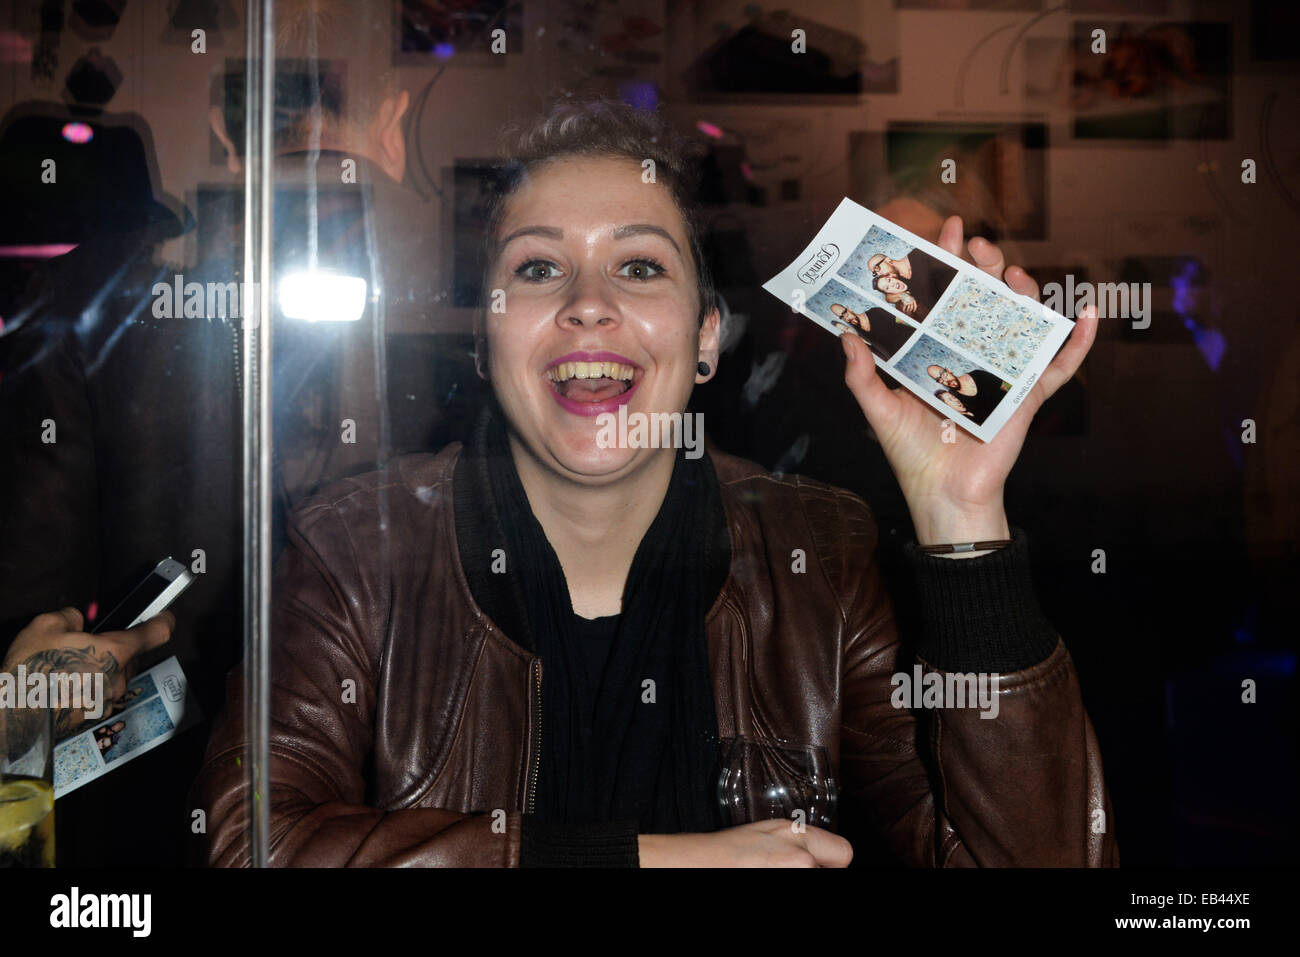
{"x": 402, "y": 717}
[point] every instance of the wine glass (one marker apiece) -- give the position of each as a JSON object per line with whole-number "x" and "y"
{"x": 26, "y": 787}
{"x": 766, "y": 778}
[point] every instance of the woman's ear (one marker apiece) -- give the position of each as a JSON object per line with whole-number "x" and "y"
{"x": 710, "y": 336}
{"x": 388, "y": 139}
{"x": 480, "y": 348}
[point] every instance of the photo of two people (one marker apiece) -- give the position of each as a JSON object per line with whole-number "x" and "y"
{"x": 966, "y": 388}
{"x": 842, "y": 310}
{"x": 908, "y": 279}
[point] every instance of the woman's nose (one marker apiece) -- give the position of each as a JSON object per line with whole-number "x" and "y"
{"x": 591, "y": 304}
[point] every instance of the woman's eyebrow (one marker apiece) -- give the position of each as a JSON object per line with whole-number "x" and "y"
{"x": 638, "y": 229}
{"x": 622, "y": 232}
{"x": 549, "y": 232}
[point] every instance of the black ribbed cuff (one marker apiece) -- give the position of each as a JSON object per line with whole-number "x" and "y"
{"x": 590, "y": 845}
{"x": 980, "y": 614}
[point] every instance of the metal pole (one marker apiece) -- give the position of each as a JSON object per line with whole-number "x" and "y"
{"x": 256, "y": 331}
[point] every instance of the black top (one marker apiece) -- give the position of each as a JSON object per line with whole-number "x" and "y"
{"x": 988, "y": 393}
{"x": 596, "y": 637}
{"x": 887, "y": 334}
{"x": 929, "y": 281}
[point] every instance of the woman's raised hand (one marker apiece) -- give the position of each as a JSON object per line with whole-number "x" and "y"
{"x": 954, "y": 488}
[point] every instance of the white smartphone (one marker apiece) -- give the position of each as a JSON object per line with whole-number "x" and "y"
{"x": 159, "y": 589}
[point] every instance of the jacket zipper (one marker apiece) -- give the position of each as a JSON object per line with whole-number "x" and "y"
{"x": 531, "y": 798}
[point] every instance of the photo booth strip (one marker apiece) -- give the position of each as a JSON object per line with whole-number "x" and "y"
{"x": 163, "y": 710}
{"x": 977, "y": 319}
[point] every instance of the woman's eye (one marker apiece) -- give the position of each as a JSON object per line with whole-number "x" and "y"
{"x": 641, "y": 269}
{"x": 536, "y": 270}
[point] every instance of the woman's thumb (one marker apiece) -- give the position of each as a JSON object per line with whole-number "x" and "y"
{"x": 860, "y": 375}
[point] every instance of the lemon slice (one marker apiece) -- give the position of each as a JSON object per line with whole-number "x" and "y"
{"x": 23, "y": 804}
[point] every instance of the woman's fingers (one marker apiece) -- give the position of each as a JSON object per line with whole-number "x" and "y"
{"x": 950, "y": 235}
{"x": 878, "y": 404}
{"x": 1021, "y": 282}
{"x": 987, "y": 256}
{"x": 830, "y": 850}
{"x": 1072, "y": 354}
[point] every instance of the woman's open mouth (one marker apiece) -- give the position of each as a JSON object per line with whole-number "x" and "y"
{"x": 589, "y": 384}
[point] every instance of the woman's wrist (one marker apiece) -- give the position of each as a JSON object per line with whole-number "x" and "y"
{"x": 668, "y": 850}
{"x": 944, "y": 524}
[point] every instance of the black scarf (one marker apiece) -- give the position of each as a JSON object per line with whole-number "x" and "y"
{"x": 607, "y": 753}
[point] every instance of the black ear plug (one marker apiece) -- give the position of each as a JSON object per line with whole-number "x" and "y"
{"x": 703, "y": 367}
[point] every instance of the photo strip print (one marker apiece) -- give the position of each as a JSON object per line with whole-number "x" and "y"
{"x": 979, "y": 347}
{"x": 156, "y": 706}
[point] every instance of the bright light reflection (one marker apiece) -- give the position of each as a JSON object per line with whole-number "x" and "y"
{"x": 322, "y": 297}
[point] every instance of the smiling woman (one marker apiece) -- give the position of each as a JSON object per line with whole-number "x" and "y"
{"x": 546, "y": 639}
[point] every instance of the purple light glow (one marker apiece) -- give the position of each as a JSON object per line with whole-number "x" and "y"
{"x": 643, "y": 96}
{"x": 78, "y": 133}
{"x": 1209, "y": 341}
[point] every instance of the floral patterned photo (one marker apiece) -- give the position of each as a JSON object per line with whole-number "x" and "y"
{"x": 1004, "y": 332}
{"x": 74, "y": 759}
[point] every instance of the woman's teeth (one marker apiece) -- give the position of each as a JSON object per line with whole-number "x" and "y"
{"x": 590, "y": 370}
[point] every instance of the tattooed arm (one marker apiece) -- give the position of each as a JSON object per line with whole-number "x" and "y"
{"x": 55, "y": 644}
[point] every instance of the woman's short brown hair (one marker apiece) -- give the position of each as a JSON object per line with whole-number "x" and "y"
{"x": 605, "y": 127}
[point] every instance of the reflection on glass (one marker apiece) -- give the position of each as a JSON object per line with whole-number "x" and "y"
{"x": 764, "y": 778}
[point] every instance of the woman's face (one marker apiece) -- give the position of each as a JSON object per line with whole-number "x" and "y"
{"x": 888, "y": 283}
{"x": 595, "y": 270}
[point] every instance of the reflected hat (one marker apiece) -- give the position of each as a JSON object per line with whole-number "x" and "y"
{"x": 101, "y": 180}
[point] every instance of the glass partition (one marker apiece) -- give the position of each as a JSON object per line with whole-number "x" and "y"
{"x": 290, "y": 299}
